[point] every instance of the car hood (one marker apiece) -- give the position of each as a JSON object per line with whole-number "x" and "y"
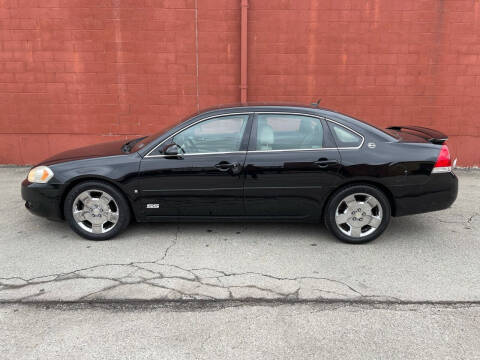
{"x": 111, "y": 148}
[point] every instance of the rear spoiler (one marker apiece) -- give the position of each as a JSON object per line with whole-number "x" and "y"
{"x": 434, "y": 136}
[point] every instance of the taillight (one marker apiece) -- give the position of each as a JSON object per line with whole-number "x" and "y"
{"x": 444, "y": 162}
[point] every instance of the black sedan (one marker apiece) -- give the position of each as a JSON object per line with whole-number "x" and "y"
{"x": 250, "y": 163}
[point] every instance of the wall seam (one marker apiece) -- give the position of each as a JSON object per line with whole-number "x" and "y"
{"x": 196, "y": 54}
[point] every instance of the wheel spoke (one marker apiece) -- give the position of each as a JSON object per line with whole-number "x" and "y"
{"x": 97, "y": 228}
{"x": 350, "y": 199}
{"x": 79, "y": 215}
{"x": 355, "y": 231}
{"x": 341, "y": 218}
{"x": 112, "y": 217}
{"x": 85, "y": 197}
{"x": 372, "y": 202}
{"x": 375, "y": 222}
{"x": 105, "y": 199}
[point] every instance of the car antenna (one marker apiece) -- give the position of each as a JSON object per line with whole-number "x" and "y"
{"x": 316, "y": 104}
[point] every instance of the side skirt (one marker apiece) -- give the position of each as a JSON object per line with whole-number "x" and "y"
{"x": 301, "y": 219}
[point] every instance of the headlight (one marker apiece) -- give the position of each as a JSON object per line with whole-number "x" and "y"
{"x": 40, "y": 174}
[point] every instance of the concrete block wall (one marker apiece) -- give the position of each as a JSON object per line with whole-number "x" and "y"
{"x": 76, "y": 72}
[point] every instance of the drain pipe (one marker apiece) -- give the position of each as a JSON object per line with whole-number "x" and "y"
{"x": 243, "y": 52}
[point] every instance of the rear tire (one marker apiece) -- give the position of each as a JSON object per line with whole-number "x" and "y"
{"x": 357, "y": 214}
{"x": 96, "y": 210}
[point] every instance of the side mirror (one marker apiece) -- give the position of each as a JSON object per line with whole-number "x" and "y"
{"x": 172, "y": 150}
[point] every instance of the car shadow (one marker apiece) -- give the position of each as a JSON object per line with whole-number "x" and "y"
{"x": 405, "y": 227}
{"x": 408, "y": 226}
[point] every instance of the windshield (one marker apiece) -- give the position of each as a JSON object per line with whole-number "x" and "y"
{"x": 148, "y": 139}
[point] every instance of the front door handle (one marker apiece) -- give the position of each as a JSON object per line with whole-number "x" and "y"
{"x": 225, "y": 165}
{"x": 324, "y": 163}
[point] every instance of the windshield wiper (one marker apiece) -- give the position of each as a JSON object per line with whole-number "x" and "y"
{"x": 127, "y": 147}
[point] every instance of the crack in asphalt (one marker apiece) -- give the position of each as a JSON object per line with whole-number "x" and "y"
{"x": 174, "y": 242}
{"x": 160, "y": 280}
{"x": 353, "y": 305}
{"x": 172, "y": 282}
{"x": 467, "y": 223}
{"x": 470, "y": 220}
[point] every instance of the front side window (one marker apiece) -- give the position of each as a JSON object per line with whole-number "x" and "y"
{"x": 345, "y": 137}
{"x": 221, "y": 134}
{"x": 288, "y": 132}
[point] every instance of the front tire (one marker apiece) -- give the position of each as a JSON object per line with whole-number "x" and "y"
{"x": 357, "y": 214}
{"x": 96, "y": 210}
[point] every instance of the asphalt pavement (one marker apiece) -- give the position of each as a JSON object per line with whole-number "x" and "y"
{"x": 270, "y": 331}
{"x": 266, "y": 290}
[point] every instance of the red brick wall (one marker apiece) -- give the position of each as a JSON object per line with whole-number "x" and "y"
{"x": 74, "y": 72}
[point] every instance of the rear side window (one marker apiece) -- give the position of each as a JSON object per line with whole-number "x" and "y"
{"x": 288, "y": 132}
{"x": 345, "y": 137}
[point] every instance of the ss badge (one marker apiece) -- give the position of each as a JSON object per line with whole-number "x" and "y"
{"x": 153, "y": 206}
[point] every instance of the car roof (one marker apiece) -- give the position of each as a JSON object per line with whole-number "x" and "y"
{"x": 283, "y": 107}
{"x": 259, "y": 105}
{"x": 344, "y": 119}
{"x": 269, "y": 106}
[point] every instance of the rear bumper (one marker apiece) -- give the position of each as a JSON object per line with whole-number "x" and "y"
{"x": 439, "y": 193}
{"x": 43, "y": 199}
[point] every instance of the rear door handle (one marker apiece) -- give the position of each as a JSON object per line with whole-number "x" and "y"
{"x": 225, "y": 166}
{"x": 323, "y": 163}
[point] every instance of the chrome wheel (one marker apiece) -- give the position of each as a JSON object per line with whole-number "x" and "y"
{"x": 95, "y": 211}
{"x": 358, "y": 215}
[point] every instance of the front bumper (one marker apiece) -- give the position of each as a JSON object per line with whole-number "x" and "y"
{"x": 43, "y": 199}
{"x": 439, "y": 193}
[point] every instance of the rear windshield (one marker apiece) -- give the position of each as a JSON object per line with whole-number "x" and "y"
{"x": 380, "y": 131}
